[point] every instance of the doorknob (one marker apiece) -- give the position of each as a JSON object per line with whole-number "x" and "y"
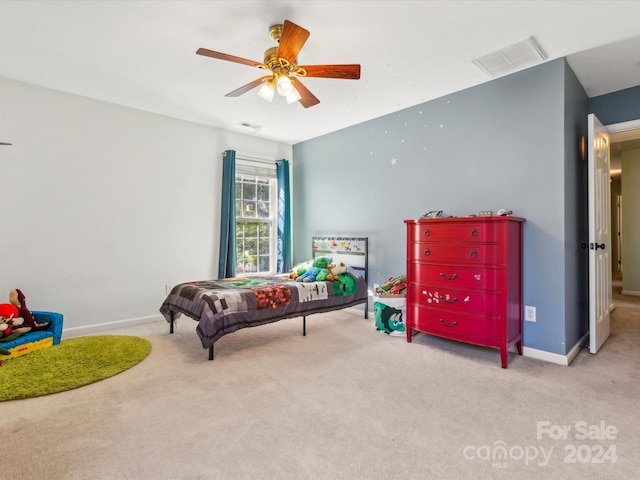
{"x": 596, "y": 246}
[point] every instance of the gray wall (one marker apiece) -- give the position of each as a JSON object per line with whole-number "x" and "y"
{"x": 616, "y": 189}
{"x": 630, "y": 224}
{"x": 503, "y": 144}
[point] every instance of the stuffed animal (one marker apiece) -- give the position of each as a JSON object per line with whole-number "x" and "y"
{"x": 310, "y": 275}
{"x": 9, "y": 323}
{"x": 335, "y": 270}
{"x": 322, "y": 262}
{"x": 300, "y": 269}
{"x": 17, "y": 298}
{"x": 8, "y": 312}
{"x": 303, "y": 268}
{"x": 393, "y": 286}
{"x": 323, "y": 274}
{"x": 330, "y": 274}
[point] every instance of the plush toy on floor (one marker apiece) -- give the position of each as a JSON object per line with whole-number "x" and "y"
{"x": 9, "y": 324}
{"x": 8, "y": 313}
{"x": 25, "y": 331}
{"x": 29, "y": 324}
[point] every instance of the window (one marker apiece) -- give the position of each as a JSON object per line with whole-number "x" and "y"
{"x": 256, "y": 214}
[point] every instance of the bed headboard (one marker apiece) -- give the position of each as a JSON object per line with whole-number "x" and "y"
{"x": 353, "y": 251}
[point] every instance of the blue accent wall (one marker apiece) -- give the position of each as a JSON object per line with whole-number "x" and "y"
{"x": 576, "y": 212}
{"x": 509, "y": 143}
{"x": 617, "y": 107}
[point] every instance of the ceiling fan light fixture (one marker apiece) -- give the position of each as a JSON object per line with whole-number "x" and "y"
{"x": 282, "y": 62}
{"x": 267, "y": 90}
{"x": 284, "y": 85}
{"x": 294, "y": 96}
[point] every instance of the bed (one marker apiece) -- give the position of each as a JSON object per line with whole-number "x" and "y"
{"x": 223, "y": 306}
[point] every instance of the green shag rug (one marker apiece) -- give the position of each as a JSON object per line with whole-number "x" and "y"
{"x": 72, "y": 363}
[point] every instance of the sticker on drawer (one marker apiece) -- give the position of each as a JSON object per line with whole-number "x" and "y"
{"x": 436, "y": 297}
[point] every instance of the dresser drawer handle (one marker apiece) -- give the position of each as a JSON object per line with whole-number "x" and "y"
{"x": 426, "y": 252}
{"x": 474, "y": 232}
{"x": 474, "y": 253}
{"x": 448, "y": 324}
{"x": 448, "y": 300}
{"x": 452, "y": 277}
{"x": 427, "y": 232}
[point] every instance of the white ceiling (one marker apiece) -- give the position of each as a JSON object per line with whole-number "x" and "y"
{"x": 142, "y": 53}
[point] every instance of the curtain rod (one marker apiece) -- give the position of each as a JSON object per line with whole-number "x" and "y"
{"x": 253, "y": 158}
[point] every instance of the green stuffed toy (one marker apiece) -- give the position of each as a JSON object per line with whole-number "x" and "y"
{"x": 322, "y": 262}
{"x": 323, "y": 274}
{"x": 330, "y": 274}
{"x": 345, "y": 285}
{"x": 309, "y": 269}
{"x": 300, "y": 269}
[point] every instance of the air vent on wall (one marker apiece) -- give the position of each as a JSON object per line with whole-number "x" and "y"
{"x": 511, "y": 59}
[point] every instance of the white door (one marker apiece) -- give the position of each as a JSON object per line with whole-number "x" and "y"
{"x": 600, "y": 294}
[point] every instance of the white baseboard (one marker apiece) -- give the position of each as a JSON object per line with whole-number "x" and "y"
{"x": 555, "y": 357}
{"x": 102, "y": 327}
{"x": 573, "y": 353}
{"x": 633, "y": 293}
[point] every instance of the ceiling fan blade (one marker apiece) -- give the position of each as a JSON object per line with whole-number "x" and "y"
{"x": 348, "y": 72}
{"x": 247, "y": 87}
{"x": 292, "y": 39}
{"x": 308, "y": 99}
{"x": 229, "y": 58}
{"x": 2, "y": 143}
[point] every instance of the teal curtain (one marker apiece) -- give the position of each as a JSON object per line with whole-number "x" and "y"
{"x": 227, "y": 259}
{"x": 284, "y": 217}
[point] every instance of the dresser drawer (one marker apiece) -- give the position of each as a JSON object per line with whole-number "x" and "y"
{"x": 480, "y": 278}
{"x": 455, "y": 253}
{"x": 484, "y": 330}
{"x": 458, "y": 232}
{"x": 466, "y": 301}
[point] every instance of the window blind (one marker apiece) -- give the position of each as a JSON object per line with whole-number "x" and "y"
{"x": 255, "y": 167}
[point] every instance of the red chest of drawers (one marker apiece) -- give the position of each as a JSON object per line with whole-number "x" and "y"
{"x": 464, "y": 280}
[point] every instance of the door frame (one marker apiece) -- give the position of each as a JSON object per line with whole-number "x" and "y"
{"x": 621, "y": 127}
{"x": 616, "y": 131}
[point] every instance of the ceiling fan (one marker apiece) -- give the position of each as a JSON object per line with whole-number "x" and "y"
{"x": 285, "y": 73}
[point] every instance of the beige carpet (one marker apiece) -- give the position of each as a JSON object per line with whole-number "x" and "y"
{"x": 629, "y": 301}
{"x": 345, "y": 402}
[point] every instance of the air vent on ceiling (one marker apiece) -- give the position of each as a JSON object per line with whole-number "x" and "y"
{"x": 249, "y": 126}
{"x": 511, "y": 59}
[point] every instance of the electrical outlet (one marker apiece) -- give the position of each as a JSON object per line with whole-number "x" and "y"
{"x": 530, "y": 313}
